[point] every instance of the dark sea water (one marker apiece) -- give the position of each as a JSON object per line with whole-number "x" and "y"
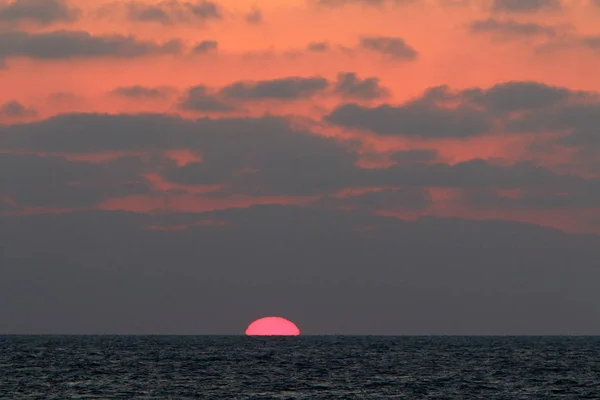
{"x": 204, "y": 367}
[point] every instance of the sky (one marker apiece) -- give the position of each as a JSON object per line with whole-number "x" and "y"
{"x": 355, "y": 166}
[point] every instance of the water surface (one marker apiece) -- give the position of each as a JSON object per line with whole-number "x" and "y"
{"x": 231, "y": 367}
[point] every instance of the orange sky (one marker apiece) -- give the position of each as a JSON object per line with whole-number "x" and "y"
{"x": 448, "y": 54}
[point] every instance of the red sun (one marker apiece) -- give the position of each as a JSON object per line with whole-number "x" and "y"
{"x": 272, "y": 326}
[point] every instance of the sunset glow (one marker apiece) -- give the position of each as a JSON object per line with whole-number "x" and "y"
{"x": 369, "y": 75}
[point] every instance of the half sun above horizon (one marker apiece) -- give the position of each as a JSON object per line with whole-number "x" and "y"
{"x": 272, "y": 326}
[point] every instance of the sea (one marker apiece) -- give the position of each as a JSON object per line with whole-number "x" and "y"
{"x": 303, "y": 367}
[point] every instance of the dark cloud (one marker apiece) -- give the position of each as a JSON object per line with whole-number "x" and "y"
{"x": 414, "y": 156}
{"x": 49, "y": 182}
{"x": 138, "y": 91}
{"x": 526, "y": 6}
{"x": 393, "y": 47}
{"x": 200, "y": 98}
{"x": 89, "y": 133}
{"x": 314, "y": 265}
{"x": 507, "y": 29}
{"x": 521, "y": 96}
{"x": 506, "y": 97}
{"x": 14, "y": 109}
{"x": 57, "y": 45}
{"x": 443, "y": 113}
{"x": 43, "y": 12}
{"x": 303, "y": 165}
{"x": 571, "y": 41}
{"x": 284, "y": 160}
{"x": 530, "y": 200}
{"x": 386, "y": 199}
{"x": 582, "y": 121}
{"x": 174, "y": 11}
{"x": 148, "y": 13}
{"x": 279, "y": 160}
{"x": 579, "y": 121}
{"x": 413, "y": 119}
{"x": 349, "y": 85}
{"x": 290, "y": 88}
{"x": 267, "y": 156}
{"x": 204, "y": 9}
{"x": 475, "y": 173}
{"x": 206, "y": 46}
{"x": 592, "y": 42}
{"x": 255, "y": 16}
{"x": 318, "y": 47}
{"x": 575, "y": 114}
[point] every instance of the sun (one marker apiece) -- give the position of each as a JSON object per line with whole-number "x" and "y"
{"x": 272, "y": 326}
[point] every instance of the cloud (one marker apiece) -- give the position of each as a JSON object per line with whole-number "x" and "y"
{"x": 318, "y": 47}
{"x": 206, "y": 46}
{"x": 174, "y": 11}
{"x": 268, "y": 157}
{"x": 414, "y": 156}
{"x": 284, "y": 160}
{"x": 255, "y": 16}
{"x": 54, "y": 182}
{"x": 43, "y": 12}
{"x": 526, "y": 6}
{"x": 200, "y": 98}
{"x": 394, "y": 47}
{"x": 418, "y": 120}
{"x": 274, "y": 160}
{"x": 56, "y": 45}
{"x": 443, "y": 113}
{"x": 592, "y": 42}
{"x": 475, "y": 173}
{"x": 14, "y": 109}
{"x": 579, "y": 121}
{"x": 290, "y": 88}
{"x": 138, "y": 91}
{"x": 574, "y": 114}
{"x": 572, "y": 41}
{"x": 532, "y": 200}
{"x": 90, "y": 133}
{"x": 439, "y": 113}
{"x": 521, "y": 96}
{"x": 349, "y": 85}
{"x": 508, "y": 29}
{"x": 305, "y": 165}
{"x": 505, "y": 97}
{"x": 387, "y": 199}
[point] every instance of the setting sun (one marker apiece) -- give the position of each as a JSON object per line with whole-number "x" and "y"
{"x": 272, "y": 326}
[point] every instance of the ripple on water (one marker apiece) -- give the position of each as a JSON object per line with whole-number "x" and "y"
{"x": 154, "y": 367}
